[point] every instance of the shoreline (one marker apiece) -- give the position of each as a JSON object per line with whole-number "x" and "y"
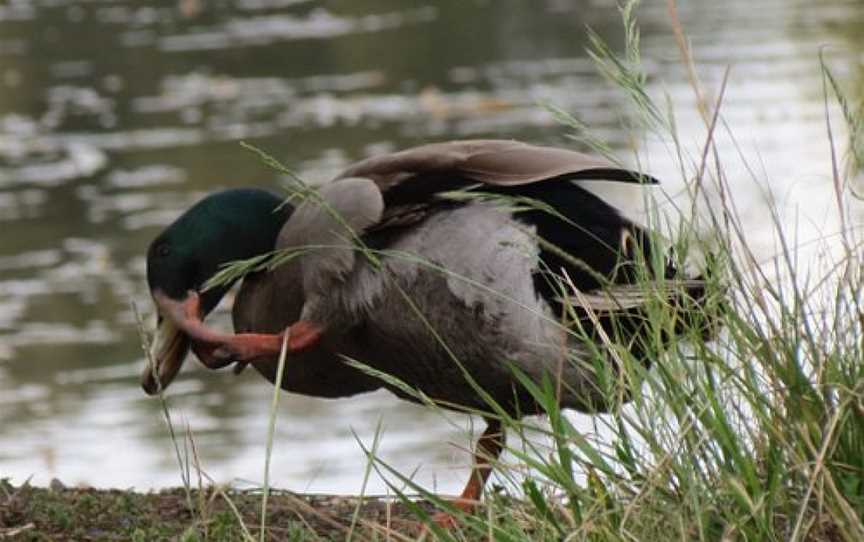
{"x": 216, "y": 513}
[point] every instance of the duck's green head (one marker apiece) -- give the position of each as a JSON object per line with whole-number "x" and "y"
{"x": 223, "y": 227}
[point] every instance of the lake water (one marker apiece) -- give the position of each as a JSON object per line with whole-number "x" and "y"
{"x": 114, "y": 117}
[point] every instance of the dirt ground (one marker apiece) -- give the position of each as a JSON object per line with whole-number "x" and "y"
{"x": 214, "y": 514}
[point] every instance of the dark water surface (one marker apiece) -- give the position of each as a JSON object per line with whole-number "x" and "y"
{"x": 114, "y": 117}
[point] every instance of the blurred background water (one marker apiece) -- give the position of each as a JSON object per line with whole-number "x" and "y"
{"x": 115, "y": 116}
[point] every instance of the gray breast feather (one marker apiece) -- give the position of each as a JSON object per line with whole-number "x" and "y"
{"x": 485, "y": 255}
{"x": 468, "y": 273}
{"x": 487, "y": 260}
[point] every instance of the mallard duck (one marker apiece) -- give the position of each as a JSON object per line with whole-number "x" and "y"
{"x": 440, "y": 265}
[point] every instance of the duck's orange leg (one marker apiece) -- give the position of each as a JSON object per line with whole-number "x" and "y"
{"x": 488, "y": 448}
{"x": 217, "y": 349}
{"x": 245, "y": 347}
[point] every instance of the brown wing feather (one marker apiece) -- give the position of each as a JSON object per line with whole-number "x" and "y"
{"x": 495, "y": 162}
{"x": 410, "y": 179}
{"x": 519, "y": 163}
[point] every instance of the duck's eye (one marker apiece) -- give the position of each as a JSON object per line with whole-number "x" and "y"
{"x": 163, "y": 250}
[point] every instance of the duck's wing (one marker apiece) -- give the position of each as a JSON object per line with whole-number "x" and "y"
{"x": 412, "y": 180}
{"x": 489, "y": 161}
{"x": 566, "y": 216}
{"x": 584, "y": 236}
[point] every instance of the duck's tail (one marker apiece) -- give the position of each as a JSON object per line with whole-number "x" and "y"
{"x": 648, "y": 316}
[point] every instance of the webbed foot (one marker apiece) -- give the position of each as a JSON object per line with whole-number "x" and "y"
{"x": 244, "y": 348}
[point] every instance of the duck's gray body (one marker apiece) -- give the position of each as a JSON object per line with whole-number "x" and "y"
{"x": 452, "y": 289}
{"x": 457, "y": 287}
{"x": 447, "y": 267}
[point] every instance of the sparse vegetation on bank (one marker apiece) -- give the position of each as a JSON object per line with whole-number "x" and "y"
{"x": 218, "y": 515}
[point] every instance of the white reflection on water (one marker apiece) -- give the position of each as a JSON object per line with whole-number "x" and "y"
{"x": 319, "y": 24}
